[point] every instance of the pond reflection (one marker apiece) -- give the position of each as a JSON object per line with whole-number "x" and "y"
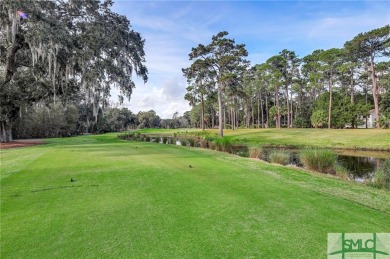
{"x": 359, "y": 167}
{"x": 360, "y": 164}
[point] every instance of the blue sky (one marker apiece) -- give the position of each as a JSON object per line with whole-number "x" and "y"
{"x": 172, "y": 28}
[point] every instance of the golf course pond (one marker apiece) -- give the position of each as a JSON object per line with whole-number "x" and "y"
{"x": 361, "y": 164}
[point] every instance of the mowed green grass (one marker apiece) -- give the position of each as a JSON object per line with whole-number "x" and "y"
{"x": 329, "y": 138}
{"x": 138, "y": 200}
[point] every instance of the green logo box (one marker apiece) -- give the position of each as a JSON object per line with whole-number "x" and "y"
{"x": 358, "y": 245}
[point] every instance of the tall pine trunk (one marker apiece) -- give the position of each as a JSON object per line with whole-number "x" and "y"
{"x": 291, "y": 110}
{"x": 202, "y": 122}
{"x": 375, "y": 92}
{"x": 288, "y": 108}
{"x": 278, "y": 109}
{"x": 266, "y": 107}
{"x": 212, "y": 117}
{"x": 220, "y": 110}
{"x": 258, "y": 111}
{"x": 330, "y": 102}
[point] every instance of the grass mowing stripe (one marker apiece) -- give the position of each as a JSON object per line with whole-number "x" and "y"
{"x": 134, "y": 199}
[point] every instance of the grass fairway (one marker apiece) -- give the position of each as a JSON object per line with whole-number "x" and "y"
{"x": 137, "y": 200}
{"x": 376, "y": 139}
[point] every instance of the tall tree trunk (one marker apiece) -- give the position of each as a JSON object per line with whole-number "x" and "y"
{"x": 202, "y": 122}
{"x": 247, "y": 117}
{"x": 237, "y": 119}
{"x": 212, "y": 117}
{"x": 266, "y": 107}
{"x": 9, "y": 70}
{"x": 253, "y": 114}
{"x": 262, "y": 110}
{"x": 258, "y": 110}
{"x": 330, "y": 101}
{"x": 220, "y": 108}
{"x": 230, "y": 118}
{"x": 278, "y": 110}
{"x": 224, "y": 116}
{"x": 375, "y": 92}
{"x": 6, "y": 132}
{"x": 291, "y": 110}
{"x": 288, "y": 108}
{"x": 352, "y": 88}
{"x": 10, "y": 60}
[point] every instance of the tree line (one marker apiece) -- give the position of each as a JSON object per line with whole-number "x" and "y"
{"x": 55, "y": 52}
{"x": 60, "y": 59}
{"x": 332, "y": 88}
{"x": 48, "y": 120}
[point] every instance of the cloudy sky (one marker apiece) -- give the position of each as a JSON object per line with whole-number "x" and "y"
{"x": 172, "y": 28}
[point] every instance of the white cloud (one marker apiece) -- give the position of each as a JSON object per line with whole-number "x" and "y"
{"x": 172, "y": 28}
{"x": 165, "y": 99}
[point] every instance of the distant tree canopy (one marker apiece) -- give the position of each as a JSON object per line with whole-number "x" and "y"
{"x": 45, "y": 121}
{"x": 332, "y": 88}
{"x": 225, "y": 59}
{"x": 59, "y": 51}
{"x": 60, "y": 59}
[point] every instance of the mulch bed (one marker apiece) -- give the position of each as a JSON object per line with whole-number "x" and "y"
{"x": 15, "y": 144}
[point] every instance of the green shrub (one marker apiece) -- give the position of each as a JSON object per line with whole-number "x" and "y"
{"x": 255, "y": 152}
{"x": 224, "y": 144}
{"x": 341, "y": 171}
{"x": 382, "y": 175}
{"x": 127, "y": 136}
{"x": 183, "y": 142}
{"x": 147, "y": 138}
{"x": 191, "y": 142}
{"x": 279, "y": 157}
{"x": 212, "y": 146}
{"x": 203, "y": 143}
{"x": 321, "y": 160}
{"x": 197, "y": 142}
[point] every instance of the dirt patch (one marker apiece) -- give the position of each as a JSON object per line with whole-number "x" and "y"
{"x": 20, "y": 143}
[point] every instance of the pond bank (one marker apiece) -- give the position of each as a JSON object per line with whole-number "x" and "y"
{"x": 348, "y": 164}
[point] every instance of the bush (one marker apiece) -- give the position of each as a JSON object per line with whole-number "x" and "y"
{"x": 279, "y": 157}
{"x": 197, "y": 142}
{"x": 127, "y": 136}
{"x": 255, "y": 152}
{"x": 319, "y": 119}
{"x": 147, "y": 138}
{"x": 212, "y": 146}
{"x": 224, "y": 144}
{"x": 382, "y": 175}
{"x": 204, "y": 143}
{"x": 183, "y": 142}
{"x": 341, "y": 171}
{"x": 191, "y": 142}
{"x": 321, "y": 160}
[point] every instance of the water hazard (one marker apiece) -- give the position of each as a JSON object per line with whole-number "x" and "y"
{"x": 360, "y": 164}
